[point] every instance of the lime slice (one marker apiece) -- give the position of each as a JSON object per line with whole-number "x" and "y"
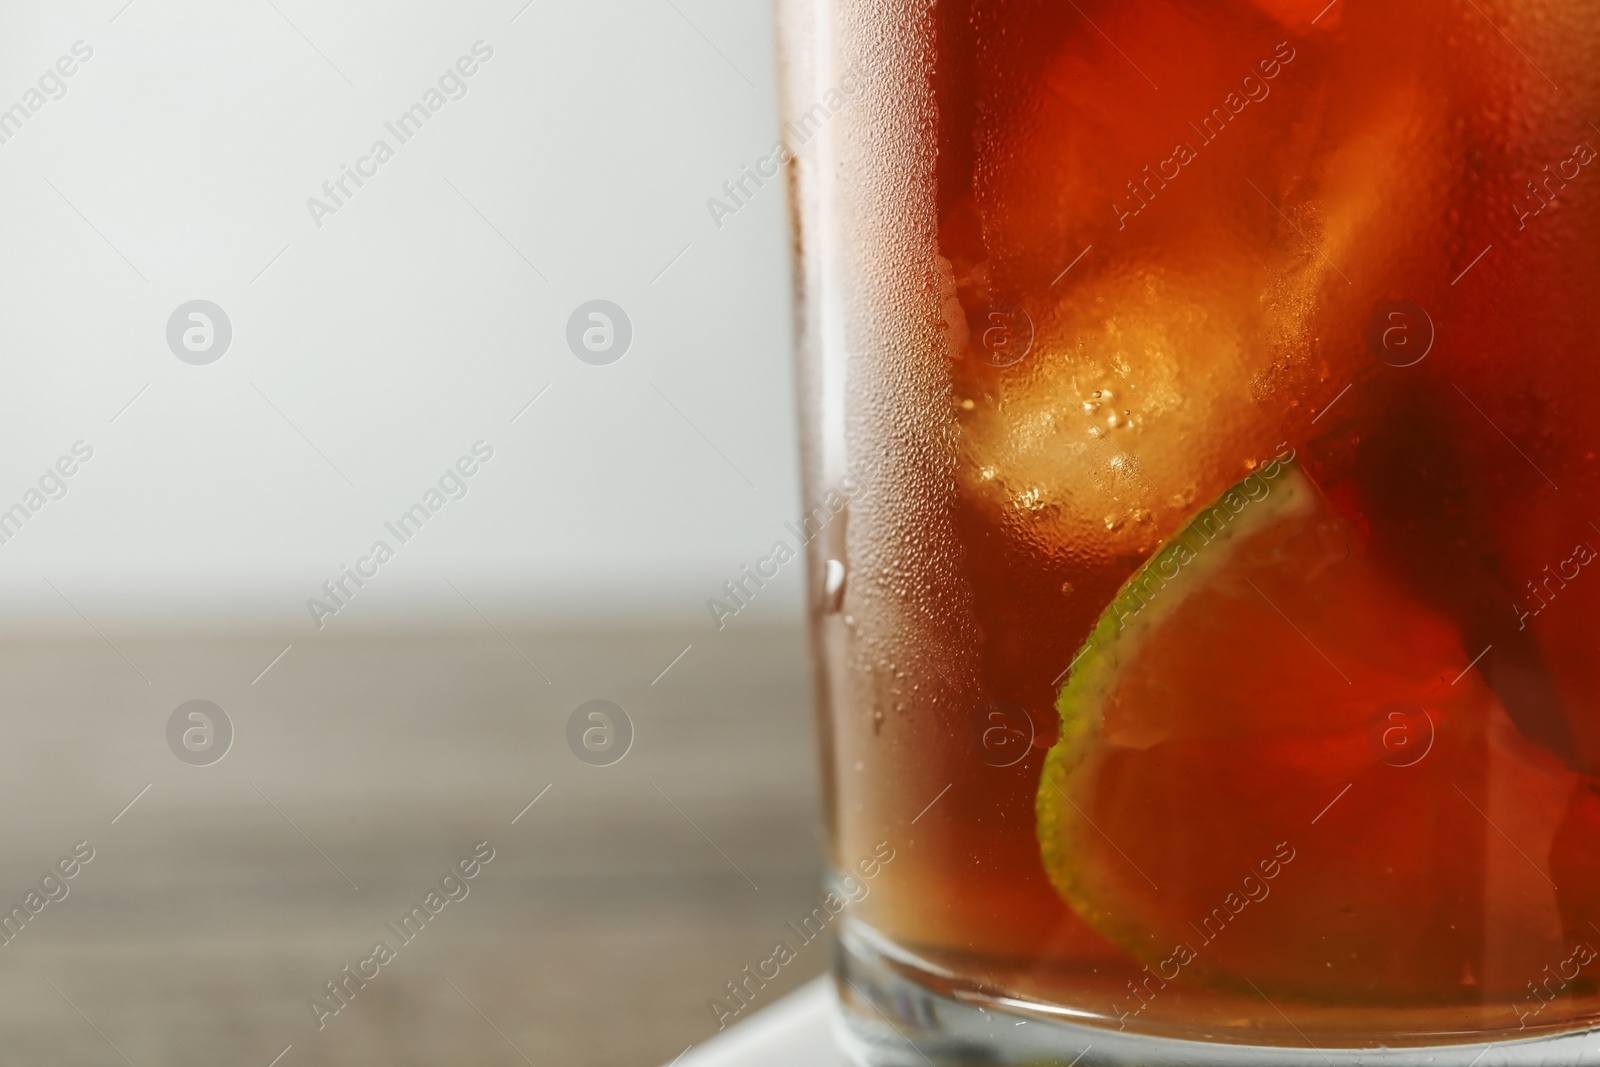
{"x": 1268, "y": 769}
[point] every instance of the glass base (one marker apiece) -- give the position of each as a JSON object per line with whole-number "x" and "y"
{"x": 892, "y": 1015}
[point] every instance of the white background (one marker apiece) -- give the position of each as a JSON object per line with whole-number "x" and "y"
{"x": 408, "y": 326}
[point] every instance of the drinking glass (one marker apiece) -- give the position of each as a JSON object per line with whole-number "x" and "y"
{"x": 1200, "y": 462}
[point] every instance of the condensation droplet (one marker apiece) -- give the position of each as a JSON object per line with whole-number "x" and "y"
{"x": 833, "y": 578}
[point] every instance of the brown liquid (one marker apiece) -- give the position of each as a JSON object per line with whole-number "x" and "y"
{"x": 1205, "y": 212}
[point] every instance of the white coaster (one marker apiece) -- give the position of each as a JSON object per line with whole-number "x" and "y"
{"x": 797, "y": 1031}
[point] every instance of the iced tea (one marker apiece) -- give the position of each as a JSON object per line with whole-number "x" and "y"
{"x": 1216, "y": 635}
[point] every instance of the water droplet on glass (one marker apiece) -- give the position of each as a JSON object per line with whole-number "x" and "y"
{"x": 833, "y": 587}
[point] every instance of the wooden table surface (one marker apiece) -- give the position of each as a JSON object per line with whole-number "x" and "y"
{"x": 217, "y": 905}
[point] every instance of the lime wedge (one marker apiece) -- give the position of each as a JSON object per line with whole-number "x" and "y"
{"x": 1268, "y": 764}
